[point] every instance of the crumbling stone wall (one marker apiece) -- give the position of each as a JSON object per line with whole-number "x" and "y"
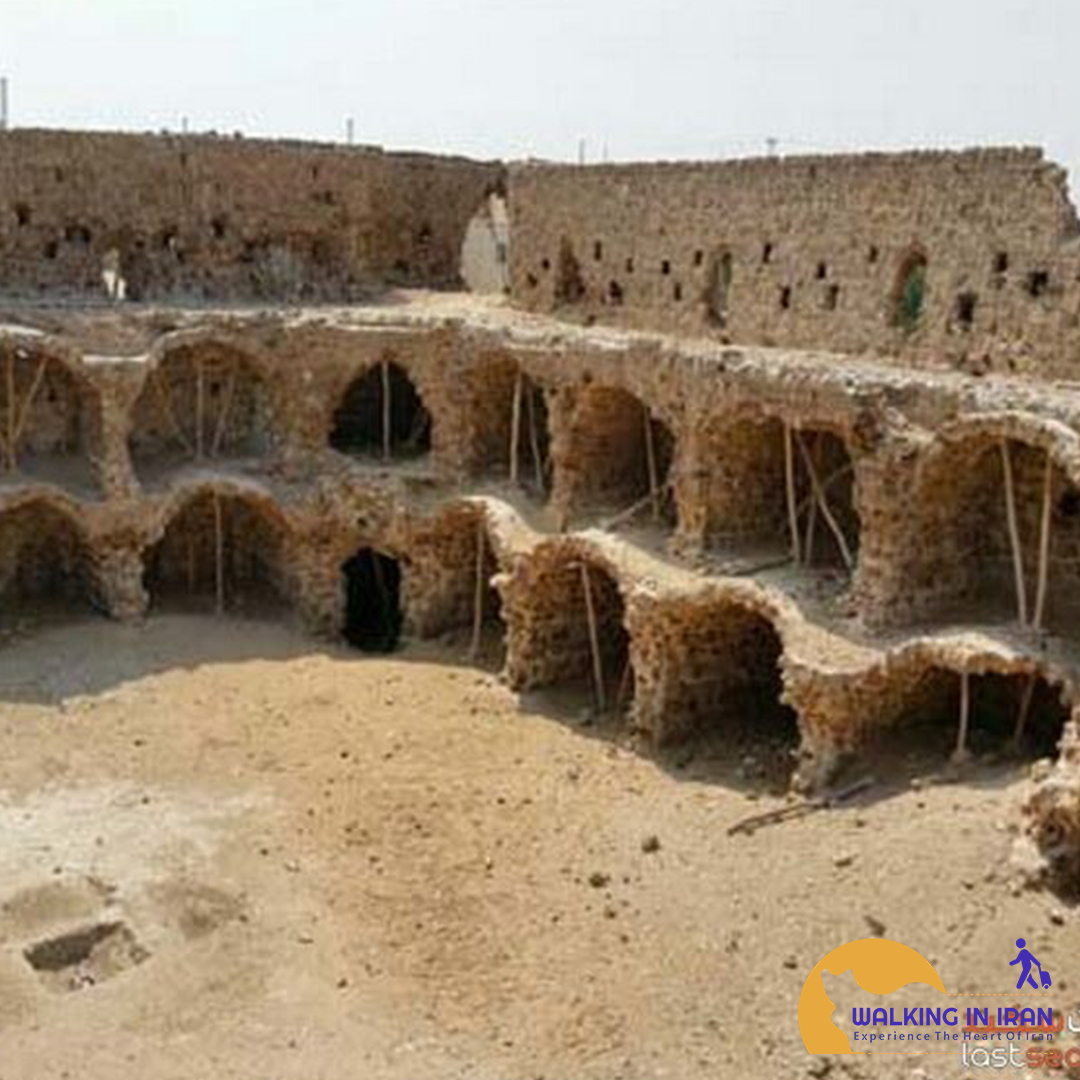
{"x": 814, "y": 252}
{"x": 200, "y": 217}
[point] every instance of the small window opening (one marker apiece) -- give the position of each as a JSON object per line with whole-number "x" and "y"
{"x": 822, "y": 271}
{"x": 52, "y": 249}
{"x": 1038, "y": 283}
{"x": 598, "y": 251}
{"x": 219, "y": 227}
{"x": 665, "y": 267}
{"x": 909, "y": 295}
{"x": 629, "y": 266}
{"x": 1001, "y": 262}
{"x": 22, "y": 215}
{"x": 785, "y": 297}
{"x": 832, "y": 298}
{"x": 873, "y": 255}
{"x": 545, "y": 264}
{"x": 677, "y": 291}
{"x": 767, "y": 253}
{"x": 699, "y": 257}
{"x": 615, "y": 293}
{"x": 966, "y": 303}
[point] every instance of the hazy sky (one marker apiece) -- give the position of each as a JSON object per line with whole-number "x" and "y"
{"x": 648, "y": 78}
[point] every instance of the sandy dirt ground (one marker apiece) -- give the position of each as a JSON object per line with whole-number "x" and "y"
{"x": 231, "y": 852}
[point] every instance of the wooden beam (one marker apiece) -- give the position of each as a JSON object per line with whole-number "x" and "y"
{"x": 1014, "y": 534}
{"x": 1025, "y": 708}
{"x": 515, "y": 428}
{"x": 478, "y": 597}
{"x": 1044, "y": 542}
{"x": 811, "y": 517}
{"x": 24, "y": 415}
{"x": 161, "y": 388}
{"x": 823, "y": 505}
{"x": 11, "y": 406}
{"x": 387, "y": 415}
{"x": 594, "y": 639}
{"x": 534, "y": 438}
{"x": 650, "y": 461}
{"x": 793, "y": 511}
{"x": 960, "y": 754}
{"x": 223, "y": 414}
{"x": 219, "y": 557}
{"x": 200, "y": 407}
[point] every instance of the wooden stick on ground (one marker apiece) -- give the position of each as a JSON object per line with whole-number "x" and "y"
{"x": 823, "y": 506}
{"x": 478, "y": 598}
{"x": 1025, "y": 708}
{"x": 793, "y": 512}
{"x": 534, "y": 439}
{"x": 219, "y": 557}
{"x": 515, "y": 427}
{"x": 386, "y": 413}
{"x": 1014, "y": 534}
{"x": 223, "y": 415}
{"x": 1044, "y": 543}
{"x": 961, "y": 753}
{"x": 650, "y": 460}
{"x": 594, "y": 639}
{"x": 634, "y": 508}
{"x": 751, "y": 824}
{"x": 200, "y": 407}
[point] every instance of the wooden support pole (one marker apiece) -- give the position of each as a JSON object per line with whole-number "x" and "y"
{"x": 161, "y": 388}
{"x": 625, "y": 683}
{"x": 219, "y": 557}
{"x": 634, "y": 508}
{"x": 792, "y": 507}
{"x": 650, "y": 460}
{"x": 811, "y": 517}
{"x": 1024, "y": 710}
{"x": 1014, "y": 534}
{"x": 594, "y": 639}
{"x": 823, "y": 506}
{"x": 478, "y": 598}
{"x": 534, "y": 439}
{"x": 24, "y": 414}
{"x": 386, "y": 410}
{"x": 200, "y": 407}
{"x": 961, "y": 752}
{"x": 223, "y": 414}
{"x": 515, "y": 428}
{"x": 11, "y": 406}
{"x": 1044, "y": 543}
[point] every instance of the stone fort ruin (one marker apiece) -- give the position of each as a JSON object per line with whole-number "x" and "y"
{"x": 793, "y": 440}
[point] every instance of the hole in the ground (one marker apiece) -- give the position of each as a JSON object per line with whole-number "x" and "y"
{"x": 45, "y": 563}
{"x": 373, "y": 613}
{"x": 382, "y": 414}
{"x": 219, "y": 550}
{"x": 84, "y": 957}
{"x": 622, "y": 454}
{"x": 202, "y": 402}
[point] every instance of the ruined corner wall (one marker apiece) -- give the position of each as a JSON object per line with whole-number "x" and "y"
{"x": 207, "y": 218}
{"x": 814, "y": 252}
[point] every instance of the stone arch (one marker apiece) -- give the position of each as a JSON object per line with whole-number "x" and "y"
{"x": 47, "y": 565}
{"x": 1014, "y": 709}
{"x": 494, "y": 384}
{"x": 381, "y": 413}
{"x": 742, "y": 503}
{"x": 221, "y": 549}
{"x": 549, "y": 642}
{"x": 616, "y": 448}
{"x": 713, "y": 666}
{"x": 960, "y": 561}
{"x": 907, "y": 300}
{"x": 373, "y": 615}
{"x": 50, "y": 419}
{"x": 203, "y": 400}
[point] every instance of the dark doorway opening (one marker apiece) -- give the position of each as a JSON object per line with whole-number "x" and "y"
{"x": 382, "y": 414}
{"x": 373, "y": 615}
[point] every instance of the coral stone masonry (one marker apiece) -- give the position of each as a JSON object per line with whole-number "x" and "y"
{"x": 821, "y": 470}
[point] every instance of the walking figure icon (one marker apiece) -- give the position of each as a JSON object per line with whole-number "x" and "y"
{"x": 1028, "y": 961}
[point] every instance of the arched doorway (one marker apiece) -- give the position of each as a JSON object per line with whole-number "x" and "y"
{"x": 373, "y": 611}
{"x": 381, "y": 414}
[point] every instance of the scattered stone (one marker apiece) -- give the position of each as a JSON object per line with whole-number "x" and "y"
{"x": 791, "y": 963}
{"x": 1057, "y": 917}
{"x": 650, "y": 844}
{"x": 843, "y": 860}
{"x": 599, "y": 880}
